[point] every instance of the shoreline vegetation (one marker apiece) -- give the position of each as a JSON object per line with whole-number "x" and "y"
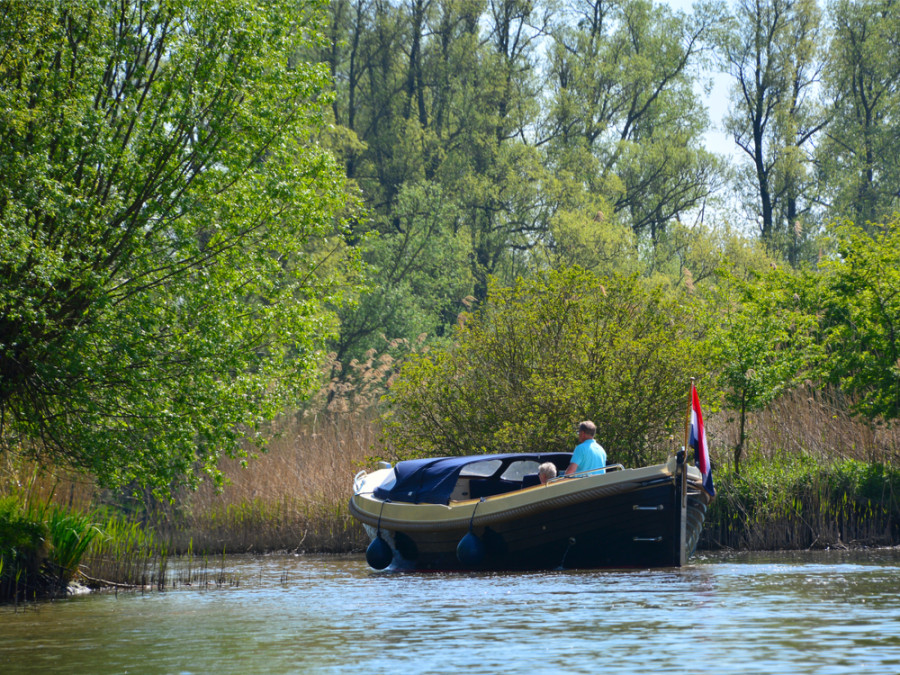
{"x": 815, "y": 478}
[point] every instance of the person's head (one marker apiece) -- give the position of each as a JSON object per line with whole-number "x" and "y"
{"x": 586, "y": 429}
{"x": 546, "y": 471}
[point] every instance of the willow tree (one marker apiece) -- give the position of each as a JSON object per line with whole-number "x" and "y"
{"x": 170, "y": 231}
{"x": 772, "y": 52}
{"x": 860, "y": 155}
{"x": 624, "y": 116}
{"x": 439, "y": 95}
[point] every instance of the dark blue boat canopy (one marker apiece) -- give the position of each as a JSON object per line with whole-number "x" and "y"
{"x": 433, "y": 479}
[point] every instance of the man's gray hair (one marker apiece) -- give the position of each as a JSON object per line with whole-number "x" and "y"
{"x": 547, "y": 470}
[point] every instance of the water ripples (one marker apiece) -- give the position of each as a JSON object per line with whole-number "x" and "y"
{"x": 812, "y": 612}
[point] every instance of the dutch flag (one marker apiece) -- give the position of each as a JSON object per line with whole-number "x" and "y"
{"x": 698, "y": 443}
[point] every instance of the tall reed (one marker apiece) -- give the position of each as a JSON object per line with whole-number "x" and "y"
{"x": 294, "y": 497}
{"x": 809, "y": 421}
{"x": 792, "y": 501}
{"x": 125, "y": 554}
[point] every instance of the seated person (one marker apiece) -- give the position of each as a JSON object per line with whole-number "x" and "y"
{"x": 546, "y": 472}
{"x": 588, "y": 455}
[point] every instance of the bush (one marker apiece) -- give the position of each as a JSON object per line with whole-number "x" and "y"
{"x": 543, "y": 355}
{"x": 22, "y": 549}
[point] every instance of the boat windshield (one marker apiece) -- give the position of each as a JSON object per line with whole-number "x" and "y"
{"x": 481, "y": 469}
{"x": 433, "y": 480}
{"x": 518, "y": 470}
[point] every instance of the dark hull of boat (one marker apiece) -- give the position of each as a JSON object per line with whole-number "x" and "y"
{"x": 641, "y": 527}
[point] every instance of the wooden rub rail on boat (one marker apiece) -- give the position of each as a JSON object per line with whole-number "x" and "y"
{"x": 490, "y": 512}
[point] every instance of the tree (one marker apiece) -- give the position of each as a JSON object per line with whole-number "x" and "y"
{"x": 765, "y": 343}
{"x": 623, "y": 115}
{"x": 171, "y": 230}
{"x": 539, "y": 357}
{"x": 860, "y": 307}
{"x": 860, "y": 155}
{"x": 437, "y": 98}
{"x": 417, "y": 275}
{"x": 771, "y": 51}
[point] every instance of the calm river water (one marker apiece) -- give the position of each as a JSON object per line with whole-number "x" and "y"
{"x": 785, "y": 613}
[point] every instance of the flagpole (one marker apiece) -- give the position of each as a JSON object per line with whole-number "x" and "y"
{"x": 683, "y": 553}
{"x": 686, "y": 446}
{"x": 687, "y": 420}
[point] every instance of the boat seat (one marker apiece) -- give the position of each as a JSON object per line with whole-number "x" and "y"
{"x": 485, "y": 487}
{"x": 530, "y": 480}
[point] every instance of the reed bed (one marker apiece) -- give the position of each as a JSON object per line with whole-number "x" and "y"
{"x": 794, "y": 502}
{"x": 812, "y": 476}
{"x": 807, "y": 421}
{"x": 802, "y": 487}
{"x": 129, "y": 556}
{"x": 126, "y": 555}
{"x": 292, "y": 498}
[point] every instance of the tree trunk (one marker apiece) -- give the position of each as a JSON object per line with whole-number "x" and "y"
{"x": 739, "y": 448}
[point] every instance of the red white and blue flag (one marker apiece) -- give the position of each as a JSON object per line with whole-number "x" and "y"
{"x": 698, "y": 443}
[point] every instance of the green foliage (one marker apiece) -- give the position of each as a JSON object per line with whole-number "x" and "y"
{"x": 837, "y": 325}
{"x": 860, "y": 154}
{"x": 541, "y": 356}
{"x": 41, "y": 547}
{"x": 22, "y": 548}
{"x": 623, "y": 116}
{"x": 764, "y": 342}
{"x": 794, "y": 501}
{"x": 866, "y": 482}
{"x": 694, "y": 257}
{"x": 860, "y": 304}
{"x": 171, "y": 236}
{"x": 448, "y": 96}
{"x": 418, "y": 273}
{"x": 70, "y": 536}
{"x": 771, "y": 50}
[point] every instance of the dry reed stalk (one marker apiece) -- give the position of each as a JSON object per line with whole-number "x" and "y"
{"x": 46, "y": 485}
{"x": 811, "y": 421}
{"x": 293, "y": 497}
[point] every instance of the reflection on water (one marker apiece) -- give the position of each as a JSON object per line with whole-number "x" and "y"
{"x": 811, "y": 612}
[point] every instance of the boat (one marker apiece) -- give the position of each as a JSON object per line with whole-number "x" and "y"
{"x": 490, "y": 512}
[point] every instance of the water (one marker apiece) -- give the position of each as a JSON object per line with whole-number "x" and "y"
{"x": 811, "y": 612}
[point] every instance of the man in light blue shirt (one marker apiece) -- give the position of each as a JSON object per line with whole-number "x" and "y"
{"x": 589, "y": 455}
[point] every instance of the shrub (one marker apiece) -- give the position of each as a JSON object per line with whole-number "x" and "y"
{"x": 22, "y": 549}
{"x": 543, "y": 355}
{"x": 795, "y": 501}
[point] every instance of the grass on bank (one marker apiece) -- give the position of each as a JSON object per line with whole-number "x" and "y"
{"x": 41, "y": 547}
{"x": 795, "y": 501}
